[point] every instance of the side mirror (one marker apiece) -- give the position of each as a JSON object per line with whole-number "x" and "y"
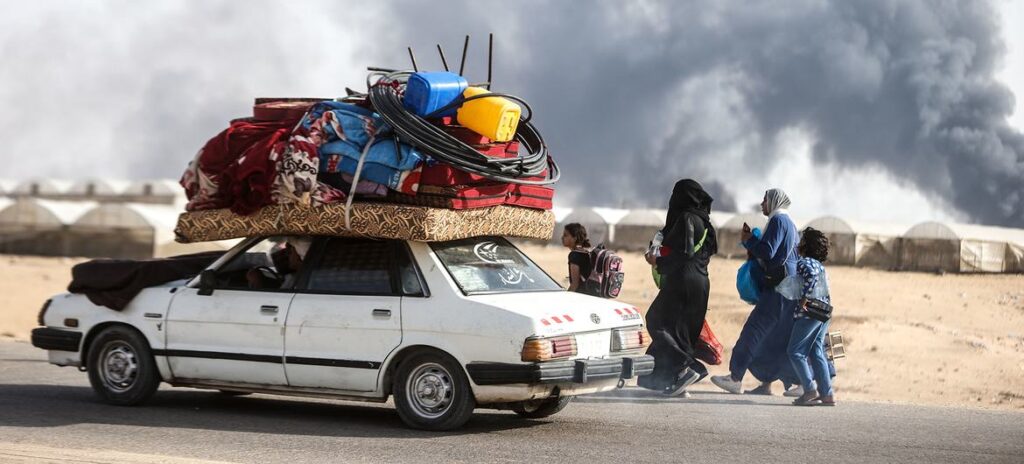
{"x": 207, "y": 280}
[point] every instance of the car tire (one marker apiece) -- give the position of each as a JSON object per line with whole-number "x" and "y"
{"x": 432, "y": 393}
{"x": 121, "y": 367}
{"x": 539, "y": 409}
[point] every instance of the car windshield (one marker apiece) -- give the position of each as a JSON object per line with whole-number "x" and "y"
{"x": 491, "y": 265}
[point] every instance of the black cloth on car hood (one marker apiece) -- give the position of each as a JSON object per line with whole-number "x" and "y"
{"x": 115, "y": 282}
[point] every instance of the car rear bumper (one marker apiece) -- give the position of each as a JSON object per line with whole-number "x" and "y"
{"x": 56, "y": 339}
{"x": 580, "y": 371}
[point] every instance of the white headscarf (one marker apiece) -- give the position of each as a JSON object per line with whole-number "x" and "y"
{"x": 301, "y": 245}
{"x": 776, "y": 201}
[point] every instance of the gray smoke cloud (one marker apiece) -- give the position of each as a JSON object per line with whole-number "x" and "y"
{"x": 630, "y": 96}
{"x": 710, "y": 89}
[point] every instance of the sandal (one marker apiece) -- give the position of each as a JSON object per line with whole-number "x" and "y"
{"x": 807, "y": 399}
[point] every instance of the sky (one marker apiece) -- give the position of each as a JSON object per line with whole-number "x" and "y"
{"x": 877, "y": 110}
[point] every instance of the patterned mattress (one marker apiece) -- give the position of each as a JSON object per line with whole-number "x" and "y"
{"x": 381, "y": 220}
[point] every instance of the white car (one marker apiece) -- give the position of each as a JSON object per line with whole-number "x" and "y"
{"x": 444, "y": 327}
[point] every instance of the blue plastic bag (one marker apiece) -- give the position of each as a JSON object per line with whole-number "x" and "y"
{"x": 745, "y": 283}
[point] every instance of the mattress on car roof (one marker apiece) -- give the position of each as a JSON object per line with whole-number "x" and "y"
{"x": 379, "y": 220}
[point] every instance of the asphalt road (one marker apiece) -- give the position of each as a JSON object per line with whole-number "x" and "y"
{"x": 49, "y": 414}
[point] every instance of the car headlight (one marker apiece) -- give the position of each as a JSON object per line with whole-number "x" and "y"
{"x": 537, "y": 349}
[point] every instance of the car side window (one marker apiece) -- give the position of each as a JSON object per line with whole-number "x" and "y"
{"x": 269, "y": 264}
{"x": 354, "y": 267}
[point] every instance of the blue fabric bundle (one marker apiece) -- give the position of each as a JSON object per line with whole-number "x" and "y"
{"x": 347, "y": 131}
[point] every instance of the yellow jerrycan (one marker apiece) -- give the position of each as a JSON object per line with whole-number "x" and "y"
{"x": 493, "y": 117}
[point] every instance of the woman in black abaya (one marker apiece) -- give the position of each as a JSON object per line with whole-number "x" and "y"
{"x": 677, "y": 314}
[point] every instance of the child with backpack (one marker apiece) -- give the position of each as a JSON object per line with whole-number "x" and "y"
{"x": 574, "y": 237}
{"x": 597, "y": 271}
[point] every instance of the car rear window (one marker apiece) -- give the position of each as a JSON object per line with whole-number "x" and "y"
{"x": 482, "y": 265}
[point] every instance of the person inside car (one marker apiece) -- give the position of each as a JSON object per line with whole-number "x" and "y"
{"x": 287, "y": 264}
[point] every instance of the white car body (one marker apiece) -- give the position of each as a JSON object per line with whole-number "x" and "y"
{"x": 346, "y": 346}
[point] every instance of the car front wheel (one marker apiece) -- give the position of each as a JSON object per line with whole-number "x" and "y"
{"x": 432, "y": 393}
{"x": 537, "y": 409}
{"x": 121, "y": 367}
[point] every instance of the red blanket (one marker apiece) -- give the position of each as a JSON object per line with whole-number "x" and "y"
{"x": 234, "y": 169}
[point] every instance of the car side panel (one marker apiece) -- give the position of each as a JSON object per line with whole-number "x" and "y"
{"x": 146, "y": 313}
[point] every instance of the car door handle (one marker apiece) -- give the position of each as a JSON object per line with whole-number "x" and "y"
{"x": 382, "y": 313}
{"x": 267, "y": 309}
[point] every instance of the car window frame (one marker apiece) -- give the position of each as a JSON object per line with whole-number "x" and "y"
{"x": 458, "y": 284}
{"x": 217, "y": 266}
{"x": 402, "y": 250}
{"x": 394, "y": 271}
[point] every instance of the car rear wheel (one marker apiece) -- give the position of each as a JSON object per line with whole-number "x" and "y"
{"x": 121, "y": 367}
{"x": 537, "y": 409}
{"x": 432, "y": 393}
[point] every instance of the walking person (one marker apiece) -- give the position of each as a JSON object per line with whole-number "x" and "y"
{"x": 777, "y": 250}
{"x": 574, "y": 237}
{"x": 676, "y": 316}
{"x": 807, "y": 341}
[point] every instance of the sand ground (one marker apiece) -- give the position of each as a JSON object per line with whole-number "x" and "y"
{"x": 951, "y": 340}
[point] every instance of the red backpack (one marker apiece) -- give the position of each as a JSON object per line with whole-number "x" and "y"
{"x": 606, "y": 276}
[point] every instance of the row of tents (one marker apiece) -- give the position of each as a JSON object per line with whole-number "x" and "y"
{"x": 158, "y": 191}
{"x": 136, "y": 220}
{"x": 34, "y": 226}
{"x": 928, "y": 246}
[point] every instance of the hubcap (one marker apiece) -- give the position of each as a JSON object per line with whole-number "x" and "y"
{"x": 430, "y": 390}
{"x": 119, "y": 366}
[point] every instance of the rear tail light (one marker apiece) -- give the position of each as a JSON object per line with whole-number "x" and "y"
{"x": 546, "y": 349}
{"x": 631, "y": 338}
{"x": 42, "y": 313}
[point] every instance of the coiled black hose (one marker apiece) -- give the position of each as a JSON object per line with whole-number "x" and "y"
{"x": 412, "y": 129}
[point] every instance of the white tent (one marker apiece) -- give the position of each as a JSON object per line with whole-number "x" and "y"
{"x": 598, "y": 228}
{"x": 718, "y": 218}
{"x": 39, "y": 227}
{"x": 91, "y": 188}
{"x": 729, "y": 233}
{"x": 634, "y": 230}
{"x": 988, "y": 248}
{"x": 42, "y": 188}
{"x": 860, "y": 243}
{"x": 560, "y": 213}
{"x": 158, "y": 191}
{"x": 133, "y": 231}
{"x": 949, "y": 247}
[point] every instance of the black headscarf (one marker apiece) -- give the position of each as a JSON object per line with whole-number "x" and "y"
{"x": 688, "y": 196}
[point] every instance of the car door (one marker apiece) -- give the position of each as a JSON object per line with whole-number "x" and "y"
{"x": 232, "y": 334}
{"x": 346, "y": 317}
